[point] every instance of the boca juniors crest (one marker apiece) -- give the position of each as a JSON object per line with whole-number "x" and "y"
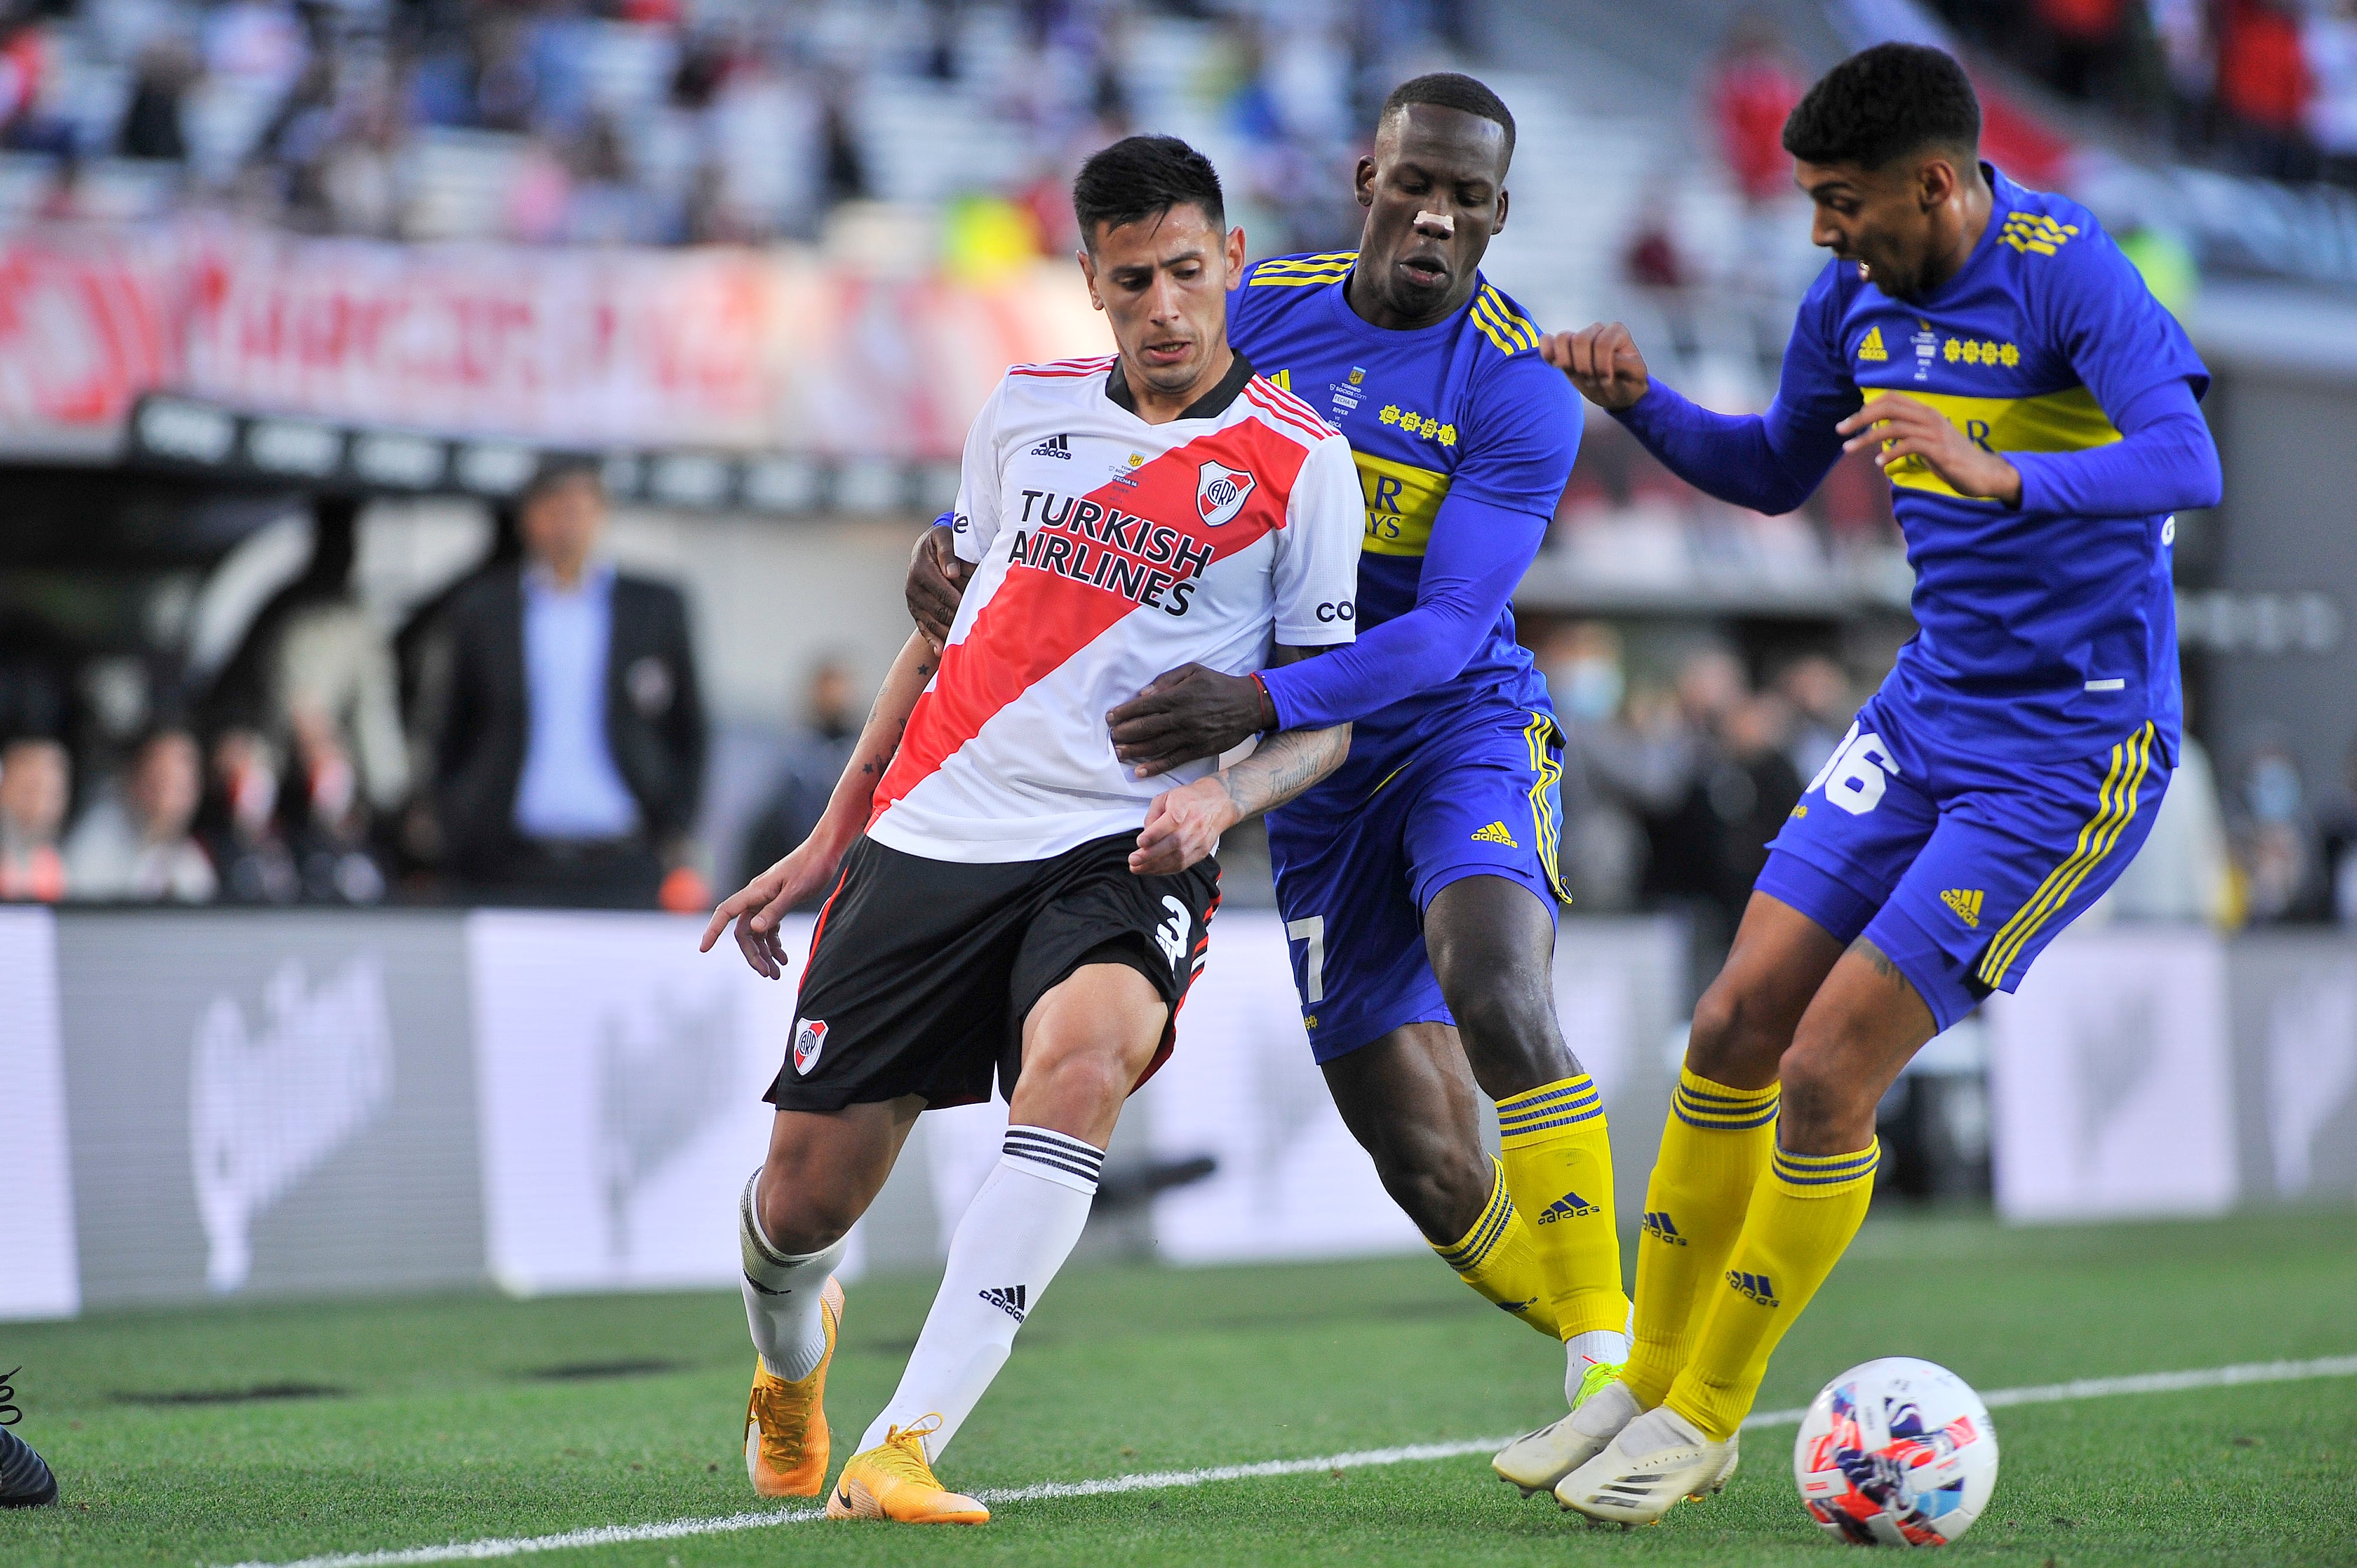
{"x": 1221, "y": 493}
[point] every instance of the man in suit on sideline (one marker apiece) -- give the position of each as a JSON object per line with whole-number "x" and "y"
{"x": 571, "y": 755}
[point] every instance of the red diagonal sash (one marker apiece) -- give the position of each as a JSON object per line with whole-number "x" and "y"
{"x": 1040, "y": 618}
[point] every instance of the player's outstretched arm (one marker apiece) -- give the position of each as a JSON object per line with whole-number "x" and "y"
{"x": 759, "y": 907}
{"x": 1769, "y": 462}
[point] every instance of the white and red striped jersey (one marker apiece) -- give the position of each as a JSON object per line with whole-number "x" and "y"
{"x": 1107, "y": 550}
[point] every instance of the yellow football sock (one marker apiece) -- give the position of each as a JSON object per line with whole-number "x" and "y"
{"x": 1557, "y": 1158}
{"x": 1803, "y": 1216}
{"x": 1714, "y": 1147}
{"x": 1498, "y": 1259}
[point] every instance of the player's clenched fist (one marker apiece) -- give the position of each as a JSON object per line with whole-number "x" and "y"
{"x": 1602, "y": 362}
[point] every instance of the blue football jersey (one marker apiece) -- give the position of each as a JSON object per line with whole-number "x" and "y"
{"x": 1463, "y": 407}
{"x": 2040, "y": 635}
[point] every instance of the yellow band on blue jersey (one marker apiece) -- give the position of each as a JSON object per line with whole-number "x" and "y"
{"x": 1402, "y": 502}
{"x": 2067, "y": 421}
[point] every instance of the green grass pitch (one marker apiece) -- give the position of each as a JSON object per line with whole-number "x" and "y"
{"x": 456, "y": 1419}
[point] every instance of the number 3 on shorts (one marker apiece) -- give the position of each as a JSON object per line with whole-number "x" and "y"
{"x": 1857, "y": 774}
{"x": 1311, "y": 931}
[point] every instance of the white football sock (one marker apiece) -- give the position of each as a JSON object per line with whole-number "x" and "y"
{"x": 781, "y": 1296}
{"x": 1017, "y": 1233}
{"x": 1609, "y": 1345}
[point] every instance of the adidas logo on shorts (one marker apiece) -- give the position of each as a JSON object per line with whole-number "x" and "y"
{"x": 1495, "y": 834}
{"x": 1008, "y": 1299}
{"x": 1966, "y": 904}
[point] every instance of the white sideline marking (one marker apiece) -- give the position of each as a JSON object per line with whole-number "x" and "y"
{"x": 1167, "y": 1480}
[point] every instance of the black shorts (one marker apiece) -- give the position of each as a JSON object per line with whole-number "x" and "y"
{"x": 922, "y": 972}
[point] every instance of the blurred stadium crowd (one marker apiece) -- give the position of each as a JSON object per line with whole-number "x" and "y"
{"x": 534, "y": 733}
{"x": 658, "y": 121}
{"x": 2264, "y": 87}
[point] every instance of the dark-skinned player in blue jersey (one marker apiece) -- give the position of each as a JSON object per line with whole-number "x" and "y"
{"x": 2035, "y": 411}
{"x": 1418, "y": 882}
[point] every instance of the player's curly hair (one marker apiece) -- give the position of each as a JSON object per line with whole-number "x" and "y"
{"x": 1145, "y": 177}
{"x": 1449, "y": 90}
{"x": 1883, "y": 103}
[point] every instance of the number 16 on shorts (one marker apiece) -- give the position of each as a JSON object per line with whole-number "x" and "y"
{"x": 1854, "y": 777}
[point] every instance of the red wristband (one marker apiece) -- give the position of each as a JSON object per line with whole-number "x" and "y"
{"x": 1267, "y": 702}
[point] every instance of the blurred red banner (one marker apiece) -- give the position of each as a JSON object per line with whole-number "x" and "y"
{"x": 769, "y": 351}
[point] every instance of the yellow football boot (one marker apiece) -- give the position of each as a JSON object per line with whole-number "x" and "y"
{"x": 786, "y": 1445}
{"x": 893, "y": 1481}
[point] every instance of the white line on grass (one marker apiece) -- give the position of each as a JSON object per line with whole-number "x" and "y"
{"x": 1167, "y": 1480}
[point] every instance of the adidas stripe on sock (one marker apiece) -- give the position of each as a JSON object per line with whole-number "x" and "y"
{"x": 1058, "y": 1155}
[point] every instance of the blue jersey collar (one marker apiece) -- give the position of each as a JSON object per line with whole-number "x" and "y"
{"x": 1339, "y": 311}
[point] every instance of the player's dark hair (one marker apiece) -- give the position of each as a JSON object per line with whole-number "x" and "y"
{"x": 1449, "y": 90}
{"x": 1145, "y": 177}
{"x": 1886, "y": 103}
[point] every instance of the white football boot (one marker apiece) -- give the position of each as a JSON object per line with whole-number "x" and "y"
{"x": 1536, "y": 1460}
{"x": 1649, "y": 1465}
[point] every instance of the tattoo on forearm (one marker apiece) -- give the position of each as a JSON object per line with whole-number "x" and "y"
{"x": 1284, "y": 766}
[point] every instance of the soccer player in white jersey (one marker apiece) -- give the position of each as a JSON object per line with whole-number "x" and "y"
{"x": 1008, "y": 897}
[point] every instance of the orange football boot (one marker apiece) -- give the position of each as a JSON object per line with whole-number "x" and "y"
{"x": 892, "y": 1480}
{"x": 786, "y": 1445}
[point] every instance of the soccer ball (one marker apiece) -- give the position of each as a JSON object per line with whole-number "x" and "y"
{"x": 1896, "y": 1453}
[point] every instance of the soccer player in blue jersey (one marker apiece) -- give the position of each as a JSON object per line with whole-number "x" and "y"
{"x": 1418, "y": 883}
{"x": 2035, "y": 411}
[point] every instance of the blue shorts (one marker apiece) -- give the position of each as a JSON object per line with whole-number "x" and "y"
{"x": 1959, "y": 868}
{"x": 1357, "y": 863}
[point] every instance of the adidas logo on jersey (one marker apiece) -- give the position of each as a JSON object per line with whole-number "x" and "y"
{"x": 1495, "y": 834}
{"x": 1570, "y": 1206}
{"x": 1659, "y": 1227}
{"x": 1054, "y": 446}
{"x": 1008, "y": 1299}
{"x": 1756, "y": 1287}
{"x": 1872, "y": 348}
{"x": 1965, "y": 903}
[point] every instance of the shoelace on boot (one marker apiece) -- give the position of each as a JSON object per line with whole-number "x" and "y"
{"x": 904, "y": 1454}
